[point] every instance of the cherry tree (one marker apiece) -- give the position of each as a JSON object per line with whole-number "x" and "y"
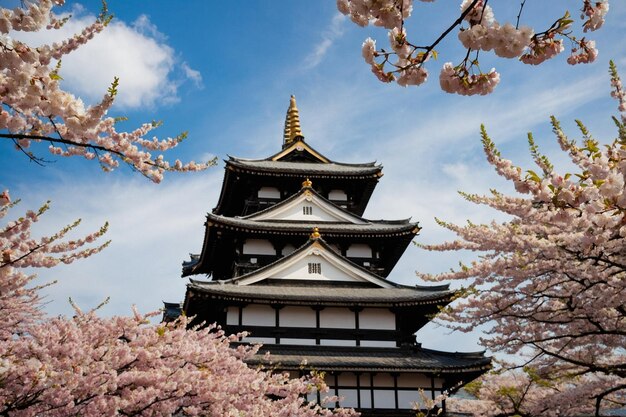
{"x": 551, "y": 282}
{"x": 92, "y": 366}
{"x": 478, "y": 31}
{"x": 35, "y": 110}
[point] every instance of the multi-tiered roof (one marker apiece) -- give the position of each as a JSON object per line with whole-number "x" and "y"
{"x": 288, "y": 257}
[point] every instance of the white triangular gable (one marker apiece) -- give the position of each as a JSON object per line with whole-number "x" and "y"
{"x": 299, "y": 146}
{"x": 314, "y": 263}
{"x": 308, "y": 207}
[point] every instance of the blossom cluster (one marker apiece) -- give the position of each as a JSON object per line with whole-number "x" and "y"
{"x": 525, "y": 393}
{"x": 551, "y": 282}
{"x": 386, "y": 13}
{"x": 594, "y": 12}
{"x": 585, "y": 52}
{"x": 457, "y": 80}
{"x": 506, "y": 41}
{"x": 540, "y": 49}
{"x": 35, "y": 109}
{"x": 405, "y": 63}
{"x": 477, "y": 12}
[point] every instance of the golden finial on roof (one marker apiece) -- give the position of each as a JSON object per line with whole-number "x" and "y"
{"x": 307, "y": 183}
{"x": 292, "y": 123}
{"x": 316, "y": 233}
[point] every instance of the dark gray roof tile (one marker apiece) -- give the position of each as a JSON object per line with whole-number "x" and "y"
{"x": 307, "y": 168}
{"x": 374, "y": 227}
{"x": 326, "y": 294}
{"x": 405, "y": 359}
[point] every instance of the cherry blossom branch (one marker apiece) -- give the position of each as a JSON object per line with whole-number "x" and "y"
{"x": 519, "y": 14}
{"x": 484, "y": 33}
{"x": 36, "y": 110}
{"x": 454, "y": 24}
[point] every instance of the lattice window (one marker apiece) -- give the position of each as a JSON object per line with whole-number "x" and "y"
{"x": 315, "y": 268}
{"x": 307, "y": 210}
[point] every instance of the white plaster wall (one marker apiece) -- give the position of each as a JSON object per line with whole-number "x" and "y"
{"x": 297, "y": 317}
{"x": 312, "y": 396}
{"x": 384, "y": 399}
{"x": 413, "y": 381}
{"x": 366, "y": 398}
{"x": 377, "y": 318}
{"x": 300, "y": 270}
{"x": 232, "y": 315}
{"x": 359, "y": 250}
{"x": 269, "y": 192}
{"x": 347, "y": 379}
{"x": 337, "y": 342}
{"x": 338, "y": 195}
{"x": 337, "y": 318}
{"x": 293, "y": 341}
{"x": 264, "y": 340}
{"x": 378, "y": 343}
{"x": 383, "y": 380}
{"x": 349, "y": 398}
{"x": 406, "y": 398}
{"x": 318, "y": 214}
{"x": 329, "y": 379}
{"x": 258, "y": 247}
{"x": 258, "y": 315}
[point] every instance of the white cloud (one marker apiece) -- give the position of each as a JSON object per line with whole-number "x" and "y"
{"x": 334, "y": 31}
{"x": 153, "y": 228}
{"x": 138, "y": 54}
{"x": 144, "y": 26}
{"x": 192, "y": 74}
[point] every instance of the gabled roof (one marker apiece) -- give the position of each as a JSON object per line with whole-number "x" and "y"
{"x": 302, "y": 149}
{"x": 295, "y": 161}
{"x": 394, "y": 235}
{"x": 295, "y": 266}
{"x": 292, "y": 209}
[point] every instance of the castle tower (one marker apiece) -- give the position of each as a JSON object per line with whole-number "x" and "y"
{"x": 287, "y": 257}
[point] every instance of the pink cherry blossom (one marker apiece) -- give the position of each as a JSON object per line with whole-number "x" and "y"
{"x": 594, "y": 12}
{"x": 35, "y": 110}
{"x": 405, "y": 61}
{"x": 458, "y": 80}
{"x": 92, "y": 366}
{"x": 541, "y": 49}
{"x": 369, "y": 50}
{"x": 584, "y": 53}
{"x": 550, "y": 283}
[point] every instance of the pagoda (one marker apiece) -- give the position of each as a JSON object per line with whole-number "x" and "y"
{"x": 288, "y": 257}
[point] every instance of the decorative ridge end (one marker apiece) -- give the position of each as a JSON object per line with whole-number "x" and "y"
{"x": 307, "y": 183}
{"x": 316, "y": 234}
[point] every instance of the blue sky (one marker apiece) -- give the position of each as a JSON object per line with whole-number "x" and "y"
{"x": 224, "y": 73}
